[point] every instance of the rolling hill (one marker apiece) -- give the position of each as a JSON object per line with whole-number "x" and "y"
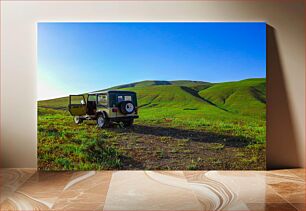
{"x": 181, "y": 125}
{"x": 246, "y": 97}
{"x": 146, "y": 85}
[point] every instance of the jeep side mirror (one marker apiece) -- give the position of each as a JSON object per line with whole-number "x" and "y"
{"x": 82, "y": 102}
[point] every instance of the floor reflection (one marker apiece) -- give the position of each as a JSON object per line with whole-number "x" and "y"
{"x": 28, "y": 189}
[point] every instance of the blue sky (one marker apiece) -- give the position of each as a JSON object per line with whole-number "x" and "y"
{"x": 80, "y": 57}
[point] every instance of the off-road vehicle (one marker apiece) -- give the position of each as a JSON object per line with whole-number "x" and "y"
{"x": 105, "y": 107}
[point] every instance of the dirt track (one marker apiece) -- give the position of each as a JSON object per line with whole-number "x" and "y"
{"x": 151, "y": 147}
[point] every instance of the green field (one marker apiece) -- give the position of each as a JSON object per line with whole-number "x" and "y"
{"x": 182, "y": 125}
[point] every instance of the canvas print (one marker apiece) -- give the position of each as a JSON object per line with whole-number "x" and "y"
{"x": 153, "y": 96}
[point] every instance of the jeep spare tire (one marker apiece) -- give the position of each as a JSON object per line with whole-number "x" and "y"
{"x": 127, "y": 107}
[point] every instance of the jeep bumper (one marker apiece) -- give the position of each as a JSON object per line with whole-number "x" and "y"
{"x": 118, "y": 119}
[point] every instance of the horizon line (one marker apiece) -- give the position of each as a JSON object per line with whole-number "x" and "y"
{"x": 155, "y": 85}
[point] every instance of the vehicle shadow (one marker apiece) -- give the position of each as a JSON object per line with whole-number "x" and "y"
{"x": 192, "y": 135}
{"x": 128, "y": 163}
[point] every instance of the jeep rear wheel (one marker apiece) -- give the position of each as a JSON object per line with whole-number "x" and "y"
{"x": 128, "y": 123}
{"x": 77, "y": 120}
{"x": 102, "y": 122}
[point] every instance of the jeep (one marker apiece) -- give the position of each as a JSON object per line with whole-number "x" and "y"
{"x": 105, "y": 107}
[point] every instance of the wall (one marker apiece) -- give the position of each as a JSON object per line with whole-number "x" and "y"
{"x": 285, "y": 63}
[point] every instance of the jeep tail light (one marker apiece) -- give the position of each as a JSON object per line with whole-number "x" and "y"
{"x": 114, "y": 109}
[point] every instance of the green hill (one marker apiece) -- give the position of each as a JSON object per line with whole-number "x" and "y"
{"x": 166, "y": 95}
{"x": 62, "y": 102}
{"x": 58, "y": 103}
{"x": 141, "y": 84}
{"x": 246, "y": 97}
{"x": 189, "y": 83}
{"x": 160, "y": 83}
{"x": 181, "y": 125}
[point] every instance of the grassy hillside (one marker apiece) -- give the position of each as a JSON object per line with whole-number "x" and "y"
{"x": 188, "y": 83}
{"x": 167, "y": 95}
{"x": 63, "y": 101}
{"x": 157, "y": 82}
{"x": 142, "y": 83}
{"x": 246, "y": 97}
{"x": 184, "y": 106}
{"x": 57, "y": 103}
{"x": 182, "y": 125}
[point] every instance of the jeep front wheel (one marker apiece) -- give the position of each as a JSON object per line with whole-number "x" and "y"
{"x": 102, "y": 122}
{"x": 78, "y": 120}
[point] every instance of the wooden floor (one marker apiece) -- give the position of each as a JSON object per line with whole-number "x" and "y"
{"x": 28, "y": 189}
